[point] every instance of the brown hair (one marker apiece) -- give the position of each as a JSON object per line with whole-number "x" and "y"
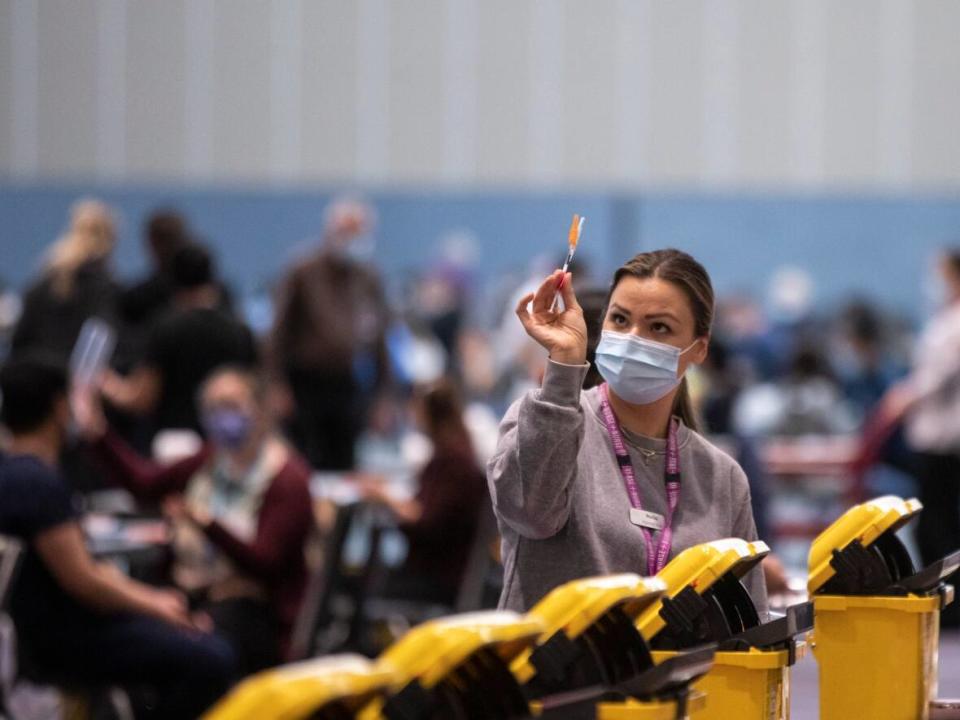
{"x": 682, "y": 270}
{"x": 250, "y": 376}
{"x": 166, "y": 232}
{"x": 952, "y": 257}
{"x": 443, "y": 417}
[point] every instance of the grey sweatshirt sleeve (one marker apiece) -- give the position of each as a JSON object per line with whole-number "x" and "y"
{"x": 536, "y": 457}
{"x": 745, "y": 528}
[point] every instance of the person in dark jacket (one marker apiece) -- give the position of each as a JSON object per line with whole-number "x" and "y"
{"x": 327, "y": 353}
{"x": 441, "y": 520}
{"x": 76, "y": 283}
{"x": 195, "y": 337}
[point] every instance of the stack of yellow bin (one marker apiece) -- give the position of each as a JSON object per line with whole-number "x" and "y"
{"x": 590, "y": 643}
{"x": 332, "y": 688}
{"x": 877, "y": 619}
{"x": 706, "y": 602}
{"x": 457, "y": 667}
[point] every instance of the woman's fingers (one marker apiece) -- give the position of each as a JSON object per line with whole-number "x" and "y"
{"x": 569, "y": 296}
{"x": 522, "y": 311}
{"x": 543, "y": 299}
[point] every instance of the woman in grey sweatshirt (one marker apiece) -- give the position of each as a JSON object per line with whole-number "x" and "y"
{"x": 568, "y": 507}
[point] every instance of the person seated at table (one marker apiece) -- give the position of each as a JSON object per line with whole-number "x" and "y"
{"x": 241, "y": 512}
{"x": 80, "y": 621}
{"x": 440, "y": 521}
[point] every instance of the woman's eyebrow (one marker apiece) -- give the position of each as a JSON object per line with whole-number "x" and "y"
{"x": 620, "y": 308}
{"x": 664, "y": 314}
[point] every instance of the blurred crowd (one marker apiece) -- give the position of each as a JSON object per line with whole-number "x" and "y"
{"x": 230, "y": 434}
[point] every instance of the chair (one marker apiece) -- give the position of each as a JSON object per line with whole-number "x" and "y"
{"x": 472, "y": 594}
{"x": 326, "y": 576}
{"x": 481, "y": 564}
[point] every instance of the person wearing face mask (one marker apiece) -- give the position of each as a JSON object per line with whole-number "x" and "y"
{"x": 615, "y": 478}
{"x": 327, "y": 355}
{"x": 241, "y": 513}
{"x": 80, "y": 621}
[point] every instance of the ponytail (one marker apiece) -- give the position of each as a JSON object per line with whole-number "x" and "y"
{"x": 684, "y": 409}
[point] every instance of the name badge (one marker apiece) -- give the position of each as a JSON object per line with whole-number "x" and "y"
{"x": 647, "y": 519}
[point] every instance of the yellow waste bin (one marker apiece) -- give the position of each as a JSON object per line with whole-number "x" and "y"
{"x": 877, "y": 620}
{"x": 456, "y": 667}
{"x": 706, "y": 602}
{"x": 590, "y": 641}
{"x": 330, "y": 688}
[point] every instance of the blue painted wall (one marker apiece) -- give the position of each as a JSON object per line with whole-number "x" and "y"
{"x": 874, "y": 246}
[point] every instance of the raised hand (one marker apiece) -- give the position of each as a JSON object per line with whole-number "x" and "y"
{"x": 87, "y": 412}
{"x": 562, "y": 333}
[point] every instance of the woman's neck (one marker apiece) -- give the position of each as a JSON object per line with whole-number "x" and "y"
{"x": 40, "y": 444}
{"x": 652, "y": 420}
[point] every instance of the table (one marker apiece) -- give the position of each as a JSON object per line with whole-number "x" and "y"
{"x": 135, "y": 541}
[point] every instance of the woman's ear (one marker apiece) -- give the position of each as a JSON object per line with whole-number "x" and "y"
{"x": 699, "y": 353}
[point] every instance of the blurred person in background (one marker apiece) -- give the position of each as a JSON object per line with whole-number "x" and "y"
{"x": 76, "y": 283}
{"x": 866, "y": 367}
{"x": 440, "y": 297}
{"x": 744, "y": 327}
{"x": 327, "y": 352}
{"x": 241, "y": 511}
{"x": 806, "y": 400}
{"x": 722, "y": 384}
{"x": 813, "y": 400}
{"x": 79, "y": 620}
{"x": 441, "y": 521}
{"x": 145, "y": 301}
{"x": 142, "y": 304}
{"x": 722, "y": 387}
{"x": 195, "y": 337}
{"x": 928, "y": 402}
{"x": 165, "y": 233}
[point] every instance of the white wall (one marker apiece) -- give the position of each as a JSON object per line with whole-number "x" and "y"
{"x": 726, "y": 94}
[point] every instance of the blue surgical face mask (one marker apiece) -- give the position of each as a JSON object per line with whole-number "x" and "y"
{"x": 227, "y": 427}
{"x": 638, "y": 370}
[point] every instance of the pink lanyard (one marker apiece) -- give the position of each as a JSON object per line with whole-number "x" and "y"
{"x": 656, "y": 559}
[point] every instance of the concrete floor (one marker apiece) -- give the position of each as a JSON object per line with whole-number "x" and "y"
{"x": 805, "y": 695}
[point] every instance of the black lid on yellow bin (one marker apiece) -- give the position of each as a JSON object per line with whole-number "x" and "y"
{"x": 451, "y": 666}
{"x": 589, "y": 635}
{"x": 338, "y": 685}
{"x": 860, "y": 553}
{"x": 705, "y": 601}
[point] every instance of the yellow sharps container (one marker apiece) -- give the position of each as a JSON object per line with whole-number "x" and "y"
{"x": 877, "y": 627}
{"x": 331, "y": 688}
{"x": 706, "y": 602}
{"x": 590, "y": 642}
{"x": 456, "y": 667}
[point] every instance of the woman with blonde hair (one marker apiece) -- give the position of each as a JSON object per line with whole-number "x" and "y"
{"x": 75, "y": 283}
{"x": 89, "y": 238}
